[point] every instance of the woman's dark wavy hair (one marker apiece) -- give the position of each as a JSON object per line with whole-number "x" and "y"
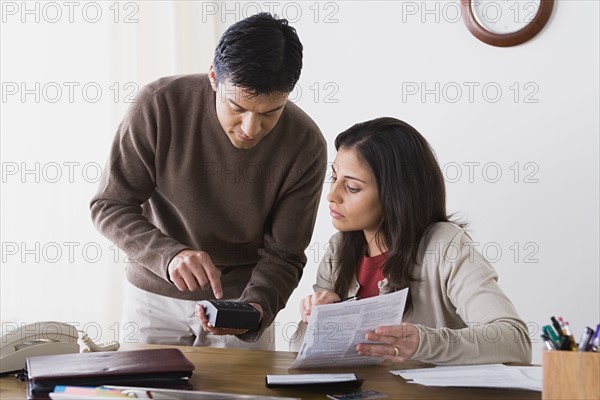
{"x": 412, "y": 195}
{"x": 260, "y": 54}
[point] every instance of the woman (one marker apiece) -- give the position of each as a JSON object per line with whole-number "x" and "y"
{"x": 387, "y": 199}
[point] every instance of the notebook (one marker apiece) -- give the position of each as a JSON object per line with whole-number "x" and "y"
{"x": 160, "y": 368}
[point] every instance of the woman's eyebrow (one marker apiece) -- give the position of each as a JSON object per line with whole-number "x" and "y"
{"x": 353, "y": 178}
{"x": 347, "y": 176}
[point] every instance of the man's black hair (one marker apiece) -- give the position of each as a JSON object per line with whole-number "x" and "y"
{"x": 260, "y": 54}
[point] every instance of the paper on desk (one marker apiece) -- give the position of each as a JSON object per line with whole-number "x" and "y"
{"x": 489, "y": 375}
{"x": 334, "y": 330}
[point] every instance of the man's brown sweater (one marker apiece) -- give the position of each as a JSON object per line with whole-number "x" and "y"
{"x": 174, "y": 181}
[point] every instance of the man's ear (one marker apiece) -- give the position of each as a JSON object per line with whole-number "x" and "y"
{"x": 212, "y": 77}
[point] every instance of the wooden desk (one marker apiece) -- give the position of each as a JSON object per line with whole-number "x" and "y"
{"x": 244, "y": 371}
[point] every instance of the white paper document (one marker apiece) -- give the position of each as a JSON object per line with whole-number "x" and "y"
{"x": 489, "y": 375}
{"x": 334, "y": 330}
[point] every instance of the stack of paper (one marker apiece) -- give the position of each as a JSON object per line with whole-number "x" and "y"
{"x": 490, "y": 375}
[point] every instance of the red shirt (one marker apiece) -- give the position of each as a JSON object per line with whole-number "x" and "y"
{"x": 368, "y": 274}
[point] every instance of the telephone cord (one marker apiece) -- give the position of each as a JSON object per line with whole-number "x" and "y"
{"x": 93, "y": 347}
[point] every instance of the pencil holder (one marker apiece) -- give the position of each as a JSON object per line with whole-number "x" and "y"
{"x": 570, "y": 375}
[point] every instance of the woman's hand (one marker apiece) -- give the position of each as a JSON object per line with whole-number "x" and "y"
{"x": 307, "y": 303}
{"x": 398, "y": 342}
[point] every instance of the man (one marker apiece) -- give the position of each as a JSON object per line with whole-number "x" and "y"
{"x": 212, "y": 187}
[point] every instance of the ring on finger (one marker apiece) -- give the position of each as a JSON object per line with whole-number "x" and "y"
{"x": 396, "y": 350}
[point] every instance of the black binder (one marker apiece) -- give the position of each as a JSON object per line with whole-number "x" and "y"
{"x": 162, "y": 368}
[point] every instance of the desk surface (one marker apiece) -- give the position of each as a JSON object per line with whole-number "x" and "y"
{"x": 244, "y": 371}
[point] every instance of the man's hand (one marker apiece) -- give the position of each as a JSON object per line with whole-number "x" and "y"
{"x": 191, "y": 269}
{"x": 307, "y": 303}
{"x": 201, "y": 315}
{"x": 398, "y": 343}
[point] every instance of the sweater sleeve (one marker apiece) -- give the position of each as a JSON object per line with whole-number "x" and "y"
{"x": 286, "y": 237}
{"x": 494, "y": 334}
{"x": 127, "y": 182}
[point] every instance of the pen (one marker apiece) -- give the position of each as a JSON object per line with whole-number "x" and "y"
{"x": 353, "y": 298}
{"x": 565, "y": 343}
{"x": 548, "y": 342}
{"x": 558, "y": 327}
{"x": 561, "y": 321}
{"x": 595, "y": 342}
{"x": 568, "y": 333}
{"x": 550, "y": 333}
{"x": 586, "y": 337}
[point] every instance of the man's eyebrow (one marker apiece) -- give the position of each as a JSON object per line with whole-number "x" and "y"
{"x": 266, "y": 112}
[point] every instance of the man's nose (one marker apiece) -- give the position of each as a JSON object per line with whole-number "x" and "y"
{"x": 251, "y": 125}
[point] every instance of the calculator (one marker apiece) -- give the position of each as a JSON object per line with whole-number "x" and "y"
{"x": 231, "y": 314}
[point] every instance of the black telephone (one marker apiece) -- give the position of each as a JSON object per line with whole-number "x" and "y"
{"x": 231, "y": 314}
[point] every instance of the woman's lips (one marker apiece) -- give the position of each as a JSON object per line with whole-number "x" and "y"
{"x": 334, "y": 214}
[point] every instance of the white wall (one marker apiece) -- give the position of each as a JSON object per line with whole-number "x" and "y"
{"x": 541, "y": 212}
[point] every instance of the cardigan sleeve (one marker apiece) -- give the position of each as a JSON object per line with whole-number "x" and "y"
{"x": 494, "y": 332}
{"x": 327, "y": 269}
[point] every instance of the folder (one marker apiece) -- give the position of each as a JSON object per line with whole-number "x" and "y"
{"x": 76, "y": 393}
{"x": 162, "y": 368}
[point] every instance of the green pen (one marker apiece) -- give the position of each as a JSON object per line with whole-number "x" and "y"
{"x": 548, "y": 331}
